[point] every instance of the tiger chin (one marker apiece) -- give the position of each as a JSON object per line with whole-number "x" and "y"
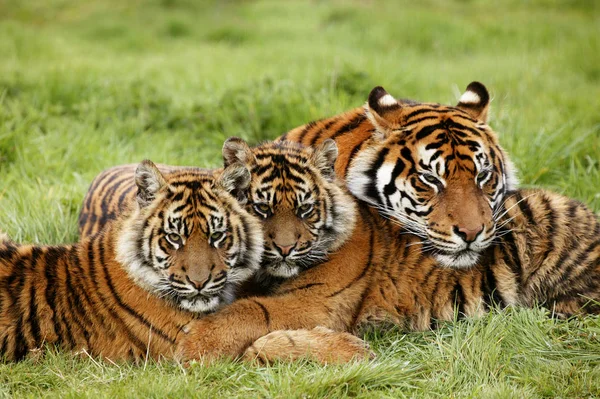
{"x": 438, "y": 171}
{"x": 305, "y": 211}
{"x": 128, "y": 291}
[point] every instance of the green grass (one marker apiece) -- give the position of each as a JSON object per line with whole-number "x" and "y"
{"x": 88, "y": 85}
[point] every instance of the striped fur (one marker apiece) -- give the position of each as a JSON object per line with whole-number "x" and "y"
{"x": 305, "y": 211}
{"x": 123, "y": 292}
{"x": 546, "y": 252}
{"x": 420, "y": 163}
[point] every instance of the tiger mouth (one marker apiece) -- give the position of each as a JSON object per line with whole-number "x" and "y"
{"x": 458, "y": 260}
{"x": 282, "y": 269}
{"x": 179, "y": 297}
{"x": 199, "y": 303}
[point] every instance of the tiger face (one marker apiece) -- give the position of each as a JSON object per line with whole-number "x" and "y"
{"x": 438, "y": 170}
{"x": 305, "y": 212}
{"x": 189, "y": 240}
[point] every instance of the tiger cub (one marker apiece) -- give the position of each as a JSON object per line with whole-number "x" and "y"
{"x": 127, "y": 291}
{"x": 305, "y": 212}
{"x": 438, "y": 170}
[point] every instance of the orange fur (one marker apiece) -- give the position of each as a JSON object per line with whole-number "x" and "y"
{"x": 381, "y": 275}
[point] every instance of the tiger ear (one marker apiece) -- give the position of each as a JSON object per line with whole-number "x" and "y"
{"x": 236, "y": 150}
{"x": 235, "y": 179}
{"x": 384, "y": 111}
{"x": 324, "y": 157}
{"x": 149, "y": 181}
{"x": 475, "y": 101}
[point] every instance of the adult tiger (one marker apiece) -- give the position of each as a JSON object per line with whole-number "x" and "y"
{"x": 305, "y": 210}
{"x": 127, "y": 291}
{"x": 384, "y": 274}
{"x": 438, "y": 170}
{"x": 547, "y": 252}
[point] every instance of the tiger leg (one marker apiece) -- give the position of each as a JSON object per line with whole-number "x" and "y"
{"x": 320, "y": 344}
{"x": 328, "y": 295}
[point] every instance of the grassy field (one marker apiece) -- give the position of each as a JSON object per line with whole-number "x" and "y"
{"x": 88, "y": 85}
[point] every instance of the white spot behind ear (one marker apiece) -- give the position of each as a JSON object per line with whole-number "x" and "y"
{"x": 470, "y": 97}
{"x": 387, "y": 100}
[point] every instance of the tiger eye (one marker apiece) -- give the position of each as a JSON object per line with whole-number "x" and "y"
{"x": 174, "y": 238}
{"x": 305, "y": 207}
{"x": 483, "y": 175}
{"x": 264, "y": 208}
{"x": 217, "y": 235}
{"x": 431, "y": 179}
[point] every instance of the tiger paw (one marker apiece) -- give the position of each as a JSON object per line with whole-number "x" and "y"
{"x": 319, "y": 344}
{"x": 206, "y": 341}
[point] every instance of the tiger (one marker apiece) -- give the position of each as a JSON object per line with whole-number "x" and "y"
{"x": 443, "y": 232}
{"x": 306, "y": 213}
{"x": 127, "y": 291}
{"x": 438, "y": 170}
{"x": 546, "y": 253}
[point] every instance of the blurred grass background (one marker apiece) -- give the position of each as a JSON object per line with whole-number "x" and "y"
{"x": 85, "y": 85}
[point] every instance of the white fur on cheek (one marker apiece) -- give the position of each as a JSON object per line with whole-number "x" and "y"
{"x": 128, "y": 254}
{"x": 384, "y": 174}
{"x": 358, "y": 178}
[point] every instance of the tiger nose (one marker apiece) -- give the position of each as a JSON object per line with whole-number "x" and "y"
{"x": 285, "y": 250}
{"x": 468, "y": 235}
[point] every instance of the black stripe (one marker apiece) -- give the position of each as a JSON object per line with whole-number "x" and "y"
{"x": 317, "y": 135}
{"x": 427, "y": 130}
{"x": 265, "y": 313}
{"x": 94, "y": 186}
{"x": 366, "y": 266}
{"x": 74, "y": 300}
{"x": 302, "y": 287}
{"x": 489, "y": 285}
{"x": 371, "y": 191}
{"x": 419, "y": 111}
{"x": 20, "y": 350}
{"x": 458, "y": 298}
{"x": 551, "y": 217}
{"x": 305, "y": 130}
{"x": 511, "y": 256}
{"x": 83, "y": 289}
{"x": 566, "y": 277}
{"x": 351, "y": 125}
{"x": 525, "y": 209}
{"x": 125, "y": 306}
{"x": 33, "y": 316}
{"x": 356, "y": 312}
{"x": 51, "y": 284}
{"x": 390, "y": 188}
{"x": 94, "y": 277}
{"x": 123, "y": 195}
{"x": 353, "y": 153}
{"x": 4, "y": 346}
